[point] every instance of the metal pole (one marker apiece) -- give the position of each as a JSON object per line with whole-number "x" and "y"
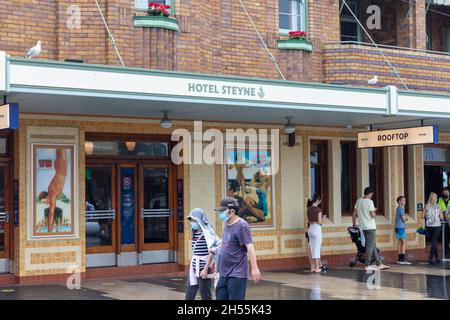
{"x": 443, "y": 240}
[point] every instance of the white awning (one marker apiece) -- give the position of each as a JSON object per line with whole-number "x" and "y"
{"x": 440, "y": 2}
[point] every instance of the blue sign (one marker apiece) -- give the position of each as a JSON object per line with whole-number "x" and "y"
{"x": 435, "y": 134}
{"x": 9, "y": 116}
{"x": 127, "y": 206}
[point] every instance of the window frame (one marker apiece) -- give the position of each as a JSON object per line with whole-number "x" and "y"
{"x": 323, "y": 166}
{"x": 302, "y": 17}
{"x": 350, "y": 19}
{"x": 378, "y": 158}
{"x": 352, "y": 172}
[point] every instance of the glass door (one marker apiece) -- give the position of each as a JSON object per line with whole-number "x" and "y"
{"x": 100, "y": 208}
{"x": 4, "y": 211}
{"x": 156, "y": 220}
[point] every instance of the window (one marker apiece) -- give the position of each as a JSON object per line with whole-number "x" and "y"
{"x": 127, "y": 148}
{"x": 348, "y": 176}
{"x": 350, "y": 29}
{"x": 292, "y": 15}
{"x": 318, "y": 171}
{"x": 376, "y": 177}
{"x": 142, "y": 5}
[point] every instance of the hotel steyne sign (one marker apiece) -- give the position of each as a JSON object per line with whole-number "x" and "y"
{"x": 226, "y": 90}
{"x": 398, "y": 137}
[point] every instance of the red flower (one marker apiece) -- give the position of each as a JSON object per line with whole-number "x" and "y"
{"x": 167, "y": 7}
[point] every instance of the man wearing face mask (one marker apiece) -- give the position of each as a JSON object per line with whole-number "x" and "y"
{"x": 237, "y": 242}
{"x": 444, "y": 203}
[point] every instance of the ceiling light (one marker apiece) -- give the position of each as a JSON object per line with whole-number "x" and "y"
{"x": 89, "y": 147}
{"x": 289, "y": 127}
{"x": 165, "y": 122}
{"x": 130, "y": 145}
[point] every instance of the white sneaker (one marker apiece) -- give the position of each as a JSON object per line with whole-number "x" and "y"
{"x": 371, "y": 268}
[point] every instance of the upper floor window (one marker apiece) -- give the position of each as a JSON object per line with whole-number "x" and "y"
{"x": 350, "y": 29}
{"x": 292, "y": 15}
{"x": 142, "y": 5}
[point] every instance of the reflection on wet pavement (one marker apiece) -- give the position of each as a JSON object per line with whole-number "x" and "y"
{"x": 418, "y": 281}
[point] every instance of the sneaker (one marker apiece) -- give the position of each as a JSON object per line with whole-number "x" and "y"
{"x": 371, "y": 268}
{"x": 383, "y": 267}
{"x": 430, "y": 262}
{"x": 403, "y": 262}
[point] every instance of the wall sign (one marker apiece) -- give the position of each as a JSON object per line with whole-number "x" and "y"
{"x": 127, "y": 205}
{"x": 398, "y": 137}
{"x": 9, "y": 116}
{"x": 53, "y": 189}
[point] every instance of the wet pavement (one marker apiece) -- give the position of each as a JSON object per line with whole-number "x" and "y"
{"x": 418, "y": 281}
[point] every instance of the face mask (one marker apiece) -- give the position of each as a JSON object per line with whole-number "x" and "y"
{"x": 195, "y": 226}
{"x": 223, "y": 216}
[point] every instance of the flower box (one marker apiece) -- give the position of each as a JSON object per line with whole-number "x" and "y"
{"x": 298, "y": 40}
{"x": 156, "y": 22}
{"x": 294, "y": 44}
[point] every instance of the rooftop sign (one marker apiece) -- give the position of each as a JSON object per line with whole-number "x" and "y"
{"x": 398, "y": 137}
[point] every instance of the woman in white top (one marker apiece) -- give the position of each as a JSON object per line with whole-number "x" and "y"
{"x": 433, "y": 215}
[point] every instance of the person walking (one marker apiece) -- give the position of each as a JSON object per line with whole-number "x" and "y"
{"x": 203, "y": 239}
{"x": 315, "y": 217}
{"x": 366, "y": 213}
{"x": 237, "y": 243}
{"x": 400, "y": 230}
{"x": 433, "y": 215}
{"x": 444, "y": 203}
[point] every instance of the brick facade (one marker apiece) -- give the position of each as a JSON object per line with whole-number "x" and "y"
{"x": 217, "y": 38}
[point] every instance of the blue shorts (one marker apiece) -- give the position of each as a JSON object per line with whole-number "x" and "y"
{"x": 400, "y": 233}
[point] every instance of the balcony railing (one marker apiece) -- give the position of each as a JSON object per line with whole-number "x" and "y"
{"x": 354, "y": 63}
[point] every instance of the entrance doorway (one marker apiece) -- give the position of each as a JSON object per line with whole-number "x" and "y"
{"x": 6, "y": 193}
{"x": 436, "y": 169}
{"x": 130, "y": 200}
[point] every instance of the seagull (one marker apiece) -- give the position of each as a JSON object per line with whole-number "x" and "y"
{"x": 35, "y": 51}
{"x": 373, "y": 80}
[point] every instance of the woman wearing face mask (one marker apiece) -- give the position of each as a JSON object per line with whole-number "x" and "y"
{"x": 433, "y": 215}
{"x": 203, "y": 239}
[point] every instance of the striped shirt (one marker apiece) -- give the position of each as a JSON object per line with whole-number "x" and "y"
{"x": 199, "y": 248}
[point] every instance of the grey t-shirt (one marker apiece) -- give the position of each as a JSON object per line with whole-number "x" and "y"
{"x": 233, "y": 253}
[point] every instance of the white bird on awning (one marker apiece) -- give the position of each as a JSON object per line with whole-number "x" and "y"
{"x": 374, "y": 80}
{"x": 35, "y": 51}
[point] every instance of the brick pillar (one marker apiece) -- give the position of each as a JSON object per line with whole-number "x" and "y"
{"x": 411, "y": 32}
{"x": 296, "y": 65}
{"x": 421, "y": 31}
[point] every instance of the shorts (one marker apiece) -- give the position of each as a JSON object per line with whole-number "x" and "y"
{"x": 400, "y": 233}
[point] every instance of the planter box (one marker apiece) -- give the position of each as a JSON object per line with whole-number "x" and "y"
{"x": 156, "y": 22}
{"x": 295, "y": 44}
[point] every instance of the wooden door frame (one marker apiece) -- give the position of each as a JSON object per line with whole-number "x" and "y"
{"x": 127, "y": 247}
{"x": 113, "y": 247}
{"x": 7, "y": 253}
{"x": 171, "y": 203}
